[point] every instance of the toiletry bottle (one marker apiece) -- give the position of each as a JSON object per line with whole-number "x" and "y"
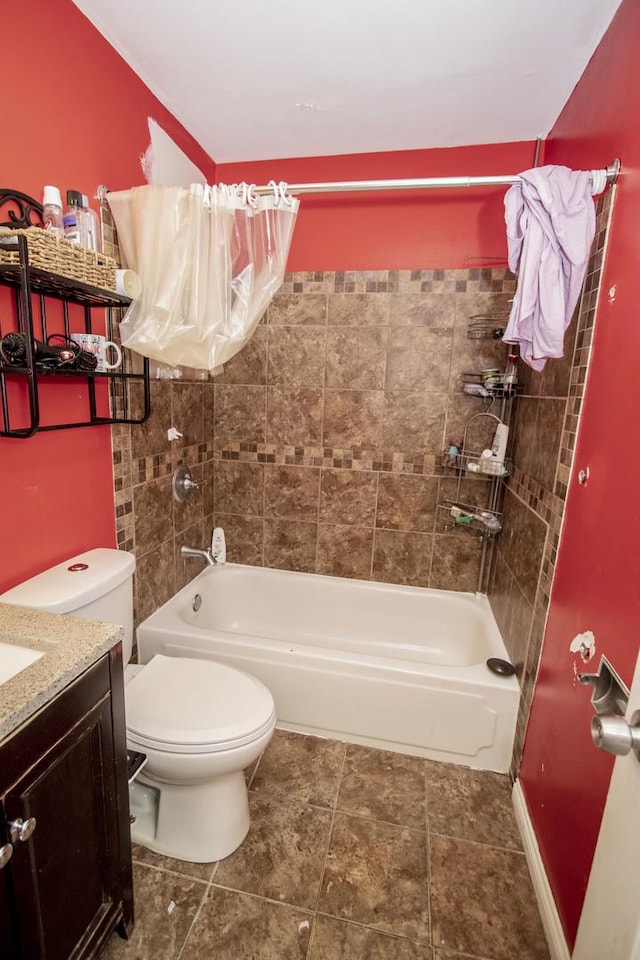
{"x": 94, "y": 232}
{"x": 75, "y": 220}
{"x": 511, "y": 375}
{"x": 52, "y": 211}
{"x": 499, "y": 445}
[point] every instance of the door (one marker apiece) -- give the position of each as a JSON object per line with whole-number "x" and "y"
{"x": 610, "y": 921}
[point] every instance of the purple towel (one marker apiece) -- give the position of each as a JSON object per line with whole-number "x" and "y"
{"x": 550, "y": 218}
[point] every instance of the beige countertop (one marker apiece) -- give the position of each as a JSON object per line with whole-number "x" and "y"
{"x": 70, "y": 646}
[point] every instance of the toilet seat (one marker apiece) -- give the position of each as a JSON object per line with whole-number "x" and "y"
{"x": 188, "y": 705}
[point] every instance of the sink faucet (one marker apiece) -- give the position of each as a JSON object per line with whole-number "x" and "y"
{"x": 205, "y": 555}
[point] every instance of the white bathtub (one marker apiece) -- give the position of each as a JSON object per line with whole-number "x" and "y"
{"x": 400, "y": 668}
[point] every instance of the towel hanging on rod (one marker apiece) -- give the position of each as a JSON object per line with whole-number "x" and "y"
{"x": 551, "y": 223}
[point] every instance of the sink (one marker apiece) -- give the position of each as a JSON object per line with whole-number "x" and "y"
{"x": 13, "y": 659}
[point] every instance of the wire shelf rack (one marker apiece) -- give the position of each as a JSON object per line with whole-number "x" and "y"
{"x": 456, "y": 515}
{"x": 483, "y": 327}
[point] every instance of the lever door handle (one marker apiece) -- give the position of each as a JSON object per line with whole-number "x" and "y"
{"x": 613, "y": 734}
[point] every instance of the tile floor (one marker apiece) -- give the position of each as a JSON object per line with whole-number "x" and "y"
{"x": 353, "y": 854}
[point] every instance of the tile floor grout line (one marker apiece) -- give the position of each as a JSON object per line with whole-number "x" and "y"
{"x": 334, "y": 810}
{"x": 200, "y": 906}
{"x": 264, "y": 794}
{"x": 462, "y": 956}
{"x": 172, "y": 873}
{"x": 429, "y": 891}
{"x": 478, "y": 843}
{"x": 256, "y": 896}
{"x": 195, "y": 918}
{"x": 428, "y": 852}
{"x": 379, "y": 930}
{"x": 199, "y": 910}
{"x": 388, "y": 823}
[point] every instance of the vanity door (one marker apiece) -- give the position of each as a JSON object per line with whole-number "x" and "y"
{"x": 65, "y": 876}
{"x": 8, "y": 932}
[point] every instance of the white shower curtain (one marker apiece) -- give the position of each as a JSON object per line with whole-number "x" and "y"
{"x": 210, "y": 260}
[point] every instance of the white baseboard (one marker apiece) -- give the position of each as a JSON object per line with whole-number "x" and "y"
{"x": 548, "y": 910}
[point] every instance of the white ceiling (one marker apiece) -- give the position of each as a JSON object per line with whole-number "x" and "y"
{"x": 254, "y": 80}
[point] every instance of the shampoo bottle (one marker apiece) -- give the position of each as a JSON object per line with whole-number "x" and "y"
{"x": 499, "y": 445}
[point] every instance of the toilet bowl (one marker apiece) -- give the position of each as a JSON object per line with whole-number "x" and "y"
{"x": 200, "y": 723}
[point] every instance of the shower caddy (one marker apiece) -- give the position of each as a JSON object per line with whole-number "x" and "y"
{"x": 35, "y": 288}
{"x": 483, "y": 521}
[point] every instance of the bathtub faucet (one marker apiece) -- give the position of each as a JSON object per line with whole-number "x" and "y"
{"x": 205, "y": 555}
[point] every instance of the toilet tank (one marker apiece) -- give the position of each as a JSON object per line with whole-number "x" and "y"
{"x": 96, "y": 585}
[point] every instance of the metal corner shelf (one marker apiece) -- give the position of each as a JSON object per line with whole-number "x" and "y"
{"x": 34, "y": 289}
{"x": 482, "y": 517}
{"x": 457, "y": 515}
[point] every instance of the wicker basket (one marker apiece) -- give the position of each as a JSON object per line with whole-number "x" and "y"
{"x": 57, "y": 255}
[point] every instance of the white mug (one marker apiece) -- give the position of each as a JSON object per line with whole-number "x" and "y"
{"x": 98, "y": 346}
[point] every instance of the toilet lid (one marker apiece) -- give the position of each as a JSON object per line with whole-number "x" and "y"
{"x": 178, "y": 700}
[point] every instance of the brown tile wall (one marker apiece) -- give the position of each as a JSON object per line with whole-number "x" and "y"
{"x": 544, "y": 426}
{"x": 323, "y": 437}
{"x": 329, "y": 425}
{"x": 149, "y": 522}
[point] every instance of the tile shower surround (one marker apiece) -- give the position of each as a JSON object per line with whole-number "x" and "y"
{"x": 544, "y": 435}
{"x": 322, "y": 438}
{"x": 329, "y": 426}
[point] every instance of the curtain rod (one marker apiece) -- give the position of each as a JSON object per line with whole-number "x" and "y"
{"x": 429, "y": 183}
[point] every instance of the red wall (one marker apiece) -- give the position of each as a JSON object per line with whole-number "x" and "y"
{"x": 380, "y": 231}
{"x": 75, "y": 115}
{"x": 597, "y": 583}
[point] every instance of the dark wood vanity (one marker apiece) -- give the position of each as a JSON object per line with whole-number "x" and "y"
{"x": 66, "y": 883}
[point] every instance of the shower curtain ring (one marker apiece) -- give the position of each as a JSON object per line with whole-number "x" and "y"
{"x": 276, "y": 194}
{"x": 286, "y": 198}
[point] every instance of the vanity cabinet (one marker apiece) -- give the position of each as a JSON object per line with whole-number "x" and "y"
{"x": 68, "y": 884}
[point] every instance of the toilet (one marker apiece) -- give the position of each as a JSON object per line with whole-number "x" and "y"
{"x": 200, "y": 723}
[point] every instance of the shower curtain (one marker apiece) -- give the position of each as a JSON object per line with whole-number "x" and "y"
{"x": 210, "y": 260}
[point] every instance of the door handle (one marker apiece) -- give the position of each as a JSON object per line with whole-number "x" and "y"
{"x": 6, "y": 852}
{"x": 613, "y": 734}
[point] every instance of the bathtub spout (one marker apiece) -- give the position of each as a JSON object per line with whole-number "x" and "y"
{"x": 205, "y": 555}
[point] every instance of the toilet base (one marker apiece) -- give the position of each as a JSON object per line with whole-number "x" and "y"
{"x": 198, "y": 823}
